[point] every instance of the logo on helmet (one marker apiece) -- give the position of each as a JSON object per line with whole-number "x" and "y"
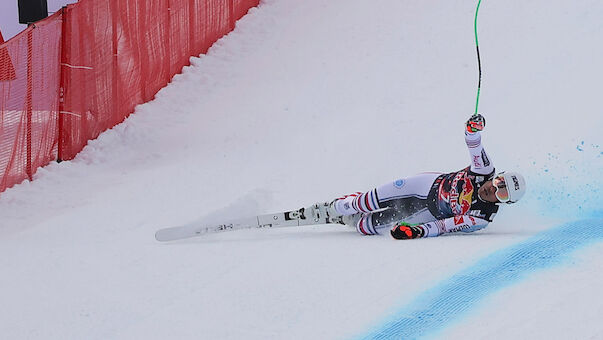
{"x": 515, "y": 182}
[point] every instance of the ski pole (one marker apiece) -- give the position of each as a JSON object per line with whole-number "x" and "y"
{"x": 479, "y": 64}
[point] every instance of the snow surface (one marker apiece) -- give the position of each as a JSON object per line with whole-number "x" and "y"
{"x": 303, "y": 102}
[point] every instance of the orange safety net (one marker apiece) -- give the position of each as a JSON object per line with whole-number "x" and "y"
{"x": 118, "y": 54}
{"x": 29, "y": 100}
{"x": 83, "y": 70}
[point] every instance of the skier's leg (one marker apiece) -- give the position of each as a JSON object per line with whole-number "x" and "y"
{"x": 416, "y": 187}
{"x": 365, "y": 225}
{"x": 362, "y": 222}
{"x": 378, "y": 210}
{"x": 386, "y": 196}
{"x": 356, "y": 203}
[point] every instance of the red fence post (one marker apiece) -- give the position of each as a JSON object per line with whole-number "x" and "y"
{"x": 168, "y": 43}
{"x": 62, "y": 78}
{"x": 115, "y": 67}
{"x": 29, "y": 99}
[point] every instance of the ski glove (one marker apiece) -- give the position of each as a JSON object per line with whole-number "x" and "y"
{"x": 476, "y": 123}
{"x": 405, "y": 231}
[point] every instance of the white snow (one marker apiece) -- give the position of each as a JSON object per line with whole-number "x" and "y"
{"x": 306, "y": 101}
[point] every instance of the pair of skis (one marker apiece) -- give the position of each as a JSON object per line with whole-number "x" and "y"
{"x": 313, "y": 215}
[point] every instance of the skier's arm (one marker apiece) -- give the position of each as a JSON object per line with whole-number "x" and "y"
{"x": 480, "y": 163}
{"x": 462, "y": 223}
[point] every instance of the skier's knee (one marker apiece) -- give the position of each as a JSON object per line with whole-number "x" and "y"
{"x": 357, "y": 203}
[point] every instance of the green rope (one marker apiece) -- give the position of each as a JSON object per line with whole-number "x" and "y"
{"x": 479, "y": 64}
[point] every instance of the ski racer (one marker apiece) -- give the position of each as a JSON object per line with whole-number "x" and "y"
{"x": 431, "y": 204}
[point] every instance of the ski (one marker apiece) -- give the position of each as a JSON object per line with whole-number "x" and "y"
{"x": 313, "y": 215}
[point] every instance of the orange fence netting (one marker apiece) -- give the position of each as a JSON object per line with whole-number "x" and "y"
{"x": 29, "y": 100}
{"x": 81, "y": 71}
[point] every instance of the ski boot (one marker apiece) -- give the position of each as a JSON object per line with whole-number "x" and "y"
{"x": 323, "y": 212}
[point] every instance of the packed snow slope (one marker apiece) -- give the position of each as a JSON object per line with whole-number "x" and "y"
{"x": 303, "y": 102}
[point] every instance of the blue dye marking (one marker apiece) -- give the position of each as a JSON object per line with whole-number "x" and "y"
{"x": 449, "y": 301}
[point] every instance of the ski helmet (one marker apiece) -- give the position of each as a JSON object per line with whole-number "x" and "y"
{"x": 511, "y": 186}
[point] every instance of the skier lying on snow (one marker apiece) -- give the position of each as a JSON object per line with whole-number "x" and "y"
{"x": 430, "y": 204}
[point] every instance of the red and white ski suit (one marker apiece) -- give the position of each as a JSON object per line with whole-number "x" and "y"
{"x": 440, "y": 202}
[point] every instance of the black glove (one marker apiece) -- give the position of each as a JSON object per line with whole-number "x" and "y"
{"x": 476, "y": 123}
{"x": 405, "y": 231}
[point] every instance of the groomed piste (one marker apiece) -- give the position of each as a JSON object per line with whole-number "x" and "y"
{"x": 303, "y": 102}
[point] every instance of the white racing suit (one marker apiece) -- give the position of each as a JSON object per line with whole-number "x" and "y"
{"x": 439, "y": 202}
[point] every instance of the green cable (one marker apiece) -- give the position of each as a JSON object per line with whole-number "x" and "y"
{"x": 479, "y": 64}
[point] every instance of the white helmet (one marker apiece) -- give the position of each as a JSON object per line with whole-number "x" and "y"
{"x": 515, "y": 185}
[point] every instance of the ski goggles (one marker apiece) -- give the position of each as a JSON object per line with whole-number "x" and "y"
{"x": 501, "y": 189}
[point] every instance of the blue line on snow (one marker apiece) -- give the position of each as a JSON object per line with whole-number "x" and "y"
{"x": 449, "y": 301}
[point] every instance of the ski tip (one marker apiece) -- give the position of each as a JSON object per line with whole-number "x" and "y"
{"x": 163, "y": 235}
{"x": 158, "y": 236}
{"x": 175, "y": 233}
